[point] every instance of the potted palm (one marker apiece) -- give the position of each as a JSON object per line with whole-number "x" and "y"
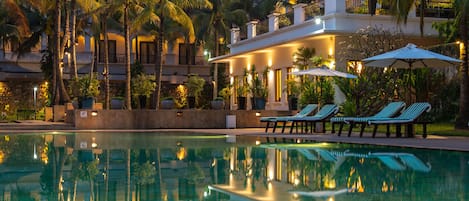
{"x": 293, "y": 91}
{"x": 242, "y": 92}
{"x": 258, "y": 90}
{"x": 85, "y": 89}
{"x": 217, "y": 103}
{"x": 142, "y": 87}
{"x": 167, "y": 103}
{"x": 195, "y": 86}
{"x": 225, "y": 94}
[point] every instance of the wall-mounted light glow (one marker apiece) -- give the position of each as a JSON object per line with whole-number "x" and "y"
{"x": 231, "y": 70}
{"x": 179, "y": 113}
{"x": 331, "y": 51}
{"x": 94, "y": 113}
{"x": 258, "y": 114}
{"x": 317, "y": 20}
{"x": 94, "y": 145}
{"x": 269, "y": 63}
{"x": 258, "y": 142}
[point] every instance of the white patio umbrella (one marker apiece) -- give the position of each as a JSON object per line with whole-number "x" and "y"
{"x": 324, "y": 71}
{"x": 410, "y": 57}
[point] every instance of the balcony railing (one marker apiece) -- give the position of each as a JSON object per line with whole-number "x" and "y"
{"x": 285, "y": 20}
{"x": 150, "y": 59}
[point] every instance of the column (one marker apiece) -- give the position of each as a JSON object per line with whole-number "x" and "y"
{"x": 273, "y": 22}
{"x": 299, "y": 13}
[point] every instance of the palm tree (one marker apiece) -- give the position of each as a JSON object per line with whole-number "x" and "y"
{"x": 461, "y": 22}
{"x": 401, "y": 9}
{"x": 169, "y": 11}
{"x": 214, "y": 30}
{"x": 13, "y": 23}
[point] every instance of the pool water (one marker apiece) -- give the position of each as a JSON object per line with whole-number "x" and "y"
{"x": 186, "y": 166}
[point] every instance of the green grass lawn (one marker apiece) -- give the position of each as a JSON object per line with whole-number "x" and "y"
{"x": 443, "y": 129}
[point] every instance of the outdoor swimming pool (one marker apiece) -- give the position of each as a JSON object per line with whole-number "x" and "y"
{"x": 184, "y": 166}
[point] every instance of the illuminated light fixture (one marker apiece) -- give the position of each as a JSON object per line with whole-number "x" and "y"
{"x": 258, "y": 114}
{"x": 94, "y": 113}
{"x": 298, "y": 141}
{"x": 94, "y": 145}
{"x": 179, "y": 113}
{"x": 317, "y": 20}
{"x": 258, "y": 142}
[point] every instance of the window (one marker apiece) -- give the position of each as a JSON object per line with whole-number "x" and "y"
{"x": 147, "y": 53}
{"x": 186, "y": 53}
{"x": 278, "y": 85}
{"x": 111, "y": 49}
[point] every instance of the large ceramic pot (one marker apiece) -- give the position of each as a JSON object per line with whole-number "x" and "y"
{"x": 292, "y": 103}
{"x": 86, "y": 103}
{"x": 241, "y": 103}
{"x": 117, "y": 103}
{"x": 217, "y": 104}
{"x": 167, "y": 104}
{"x": 258, "y": 103}
{"x": 191, "y": 101}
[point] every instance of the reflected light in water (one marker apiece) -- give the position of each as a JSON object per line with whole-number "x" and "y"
{"x": 2, "y": 156}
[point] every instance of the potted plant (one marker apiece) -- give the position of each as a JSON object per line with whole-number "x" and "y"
{"x": 117, "y": 102}
{"x": 195, "y": 86}
{"x": 142, "y": 87}
{"x": 217, "y": 103}
{"x": 167, "y": 103}
{"x": 242, "y": 92}
{"x": 85, "y": 89}
{"x": 225, "y": 93}
{"x": 293, "y": 91}
{"x": 258, "y": 90}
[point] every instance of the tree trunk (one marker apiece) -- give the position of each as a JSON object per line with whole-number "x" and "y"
{"x": 463, "y": 116}
{"x": 63, "y": 45}
{"x": 422, "y": 16}
{"x": 215, "y": 66}
{"x": 107, "y": 99}
{"x": 128, "y": 100}
{"x": 159, "y": 64}
{"x": 56, "y": 62}
{"x": 73, "y": 56}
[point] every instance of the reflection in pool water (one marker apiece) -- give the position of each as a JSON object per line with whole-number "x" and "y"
{"x": 184, "y": 166}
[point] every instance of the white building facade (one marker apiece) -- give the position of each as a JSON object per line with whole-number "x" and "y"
{"x": 275, "y": 48}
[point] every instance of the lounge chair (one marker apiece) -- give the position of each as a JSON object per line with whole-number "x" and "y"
{"x": 408, "y": 117}
{"x": 389, "y": 110}
{"x": 326, "y": 112}
{"x": 307, "y": 110}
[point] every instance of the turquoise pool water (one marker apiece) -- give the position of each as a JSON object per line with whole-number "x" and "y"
{"x": 184, "y": 166}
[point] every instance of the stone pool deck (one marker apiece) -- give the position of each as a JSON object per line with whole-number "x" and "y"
{"x": 431, "y": 142}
